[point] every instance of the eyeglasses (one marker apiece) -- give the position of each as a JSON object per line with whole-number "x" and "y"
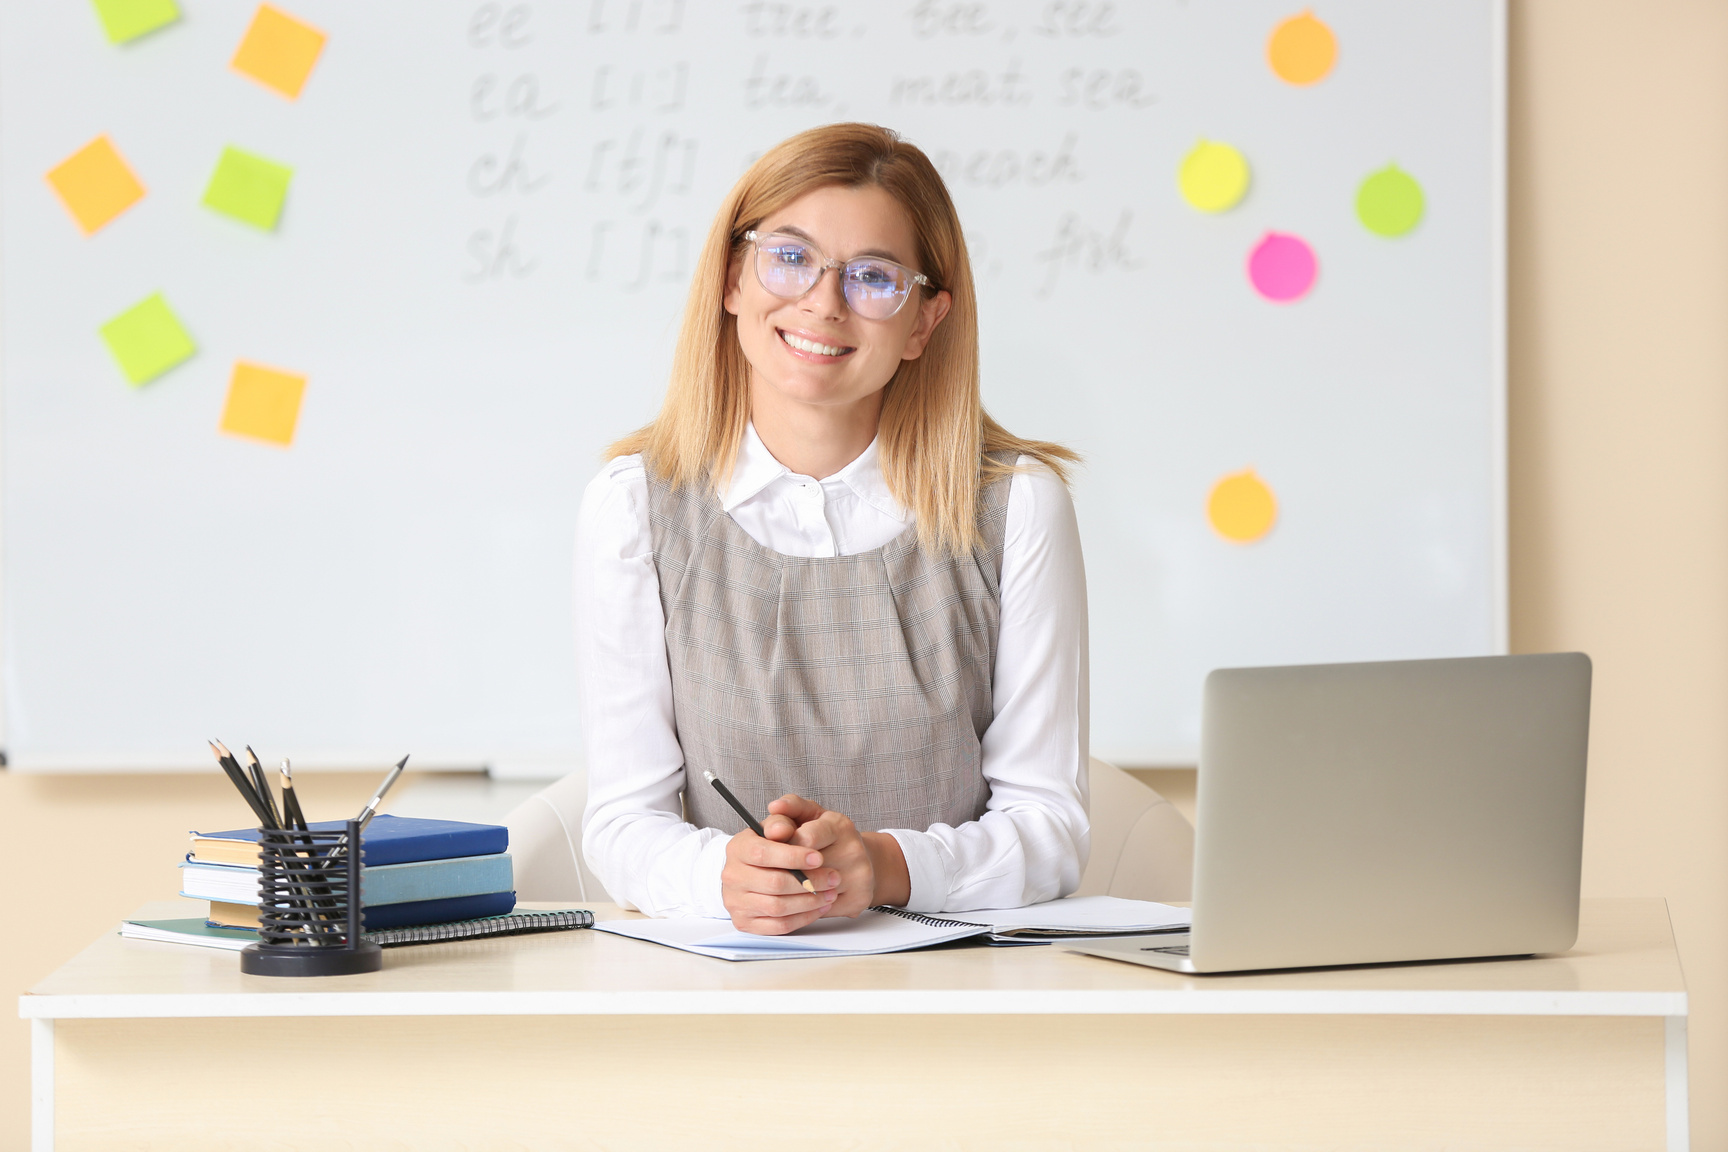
{"x": 873, "y": 287}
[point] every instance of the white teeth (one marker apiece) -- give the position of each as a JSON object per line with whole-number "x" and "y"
{"x": 804, "y": 345}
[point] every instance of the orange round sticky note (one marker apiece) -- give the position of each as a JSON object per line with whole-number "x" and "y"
{"x": 1242, "y": 508}
{"x": 1302, "y": 49}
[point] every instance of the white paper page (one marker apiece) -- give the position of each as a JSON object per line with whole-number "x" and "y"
{"x": 1079, "y": 914}
{"x": 871, "y": 933}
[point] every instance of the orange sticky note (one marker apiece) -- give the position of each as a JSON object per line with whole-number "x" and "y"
{"x": 1242, "y": 508}
{"x": 278, "y": 51}
{"x": 1302, "y": 49}
{"x": 263, "y": 403}
{"x": 95, "y": 184}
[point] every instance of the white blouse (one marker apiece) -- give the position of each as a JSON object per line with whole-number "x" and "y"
{"x": 1032, "y": 842}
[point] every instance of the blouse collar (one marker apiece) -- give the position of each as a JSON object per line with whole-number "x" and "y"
{"x": 756, "y": 468}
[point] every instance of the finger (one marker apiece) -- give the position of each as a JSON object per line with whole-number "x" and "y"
{"x": 757, "y": 904}
{"x": 795, "y": 807}
{"x": 768, "y": 881}
{"x": 779, "y": 827}
{"x": 762, "y": 853}
{"x": 774, "y": 925}
{"x": 825, "y": 831}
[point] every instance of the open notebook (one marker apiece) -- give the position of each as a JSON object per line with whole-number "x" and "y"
{"x": 895, "y": 930}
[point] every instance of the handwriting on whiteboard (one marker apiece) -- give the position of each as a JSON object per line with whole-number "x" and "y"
{"x": 608, "y": 130}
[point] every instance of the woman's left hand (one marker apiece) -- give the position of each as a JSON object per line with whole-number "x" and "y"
{"x": 872, "y": 868}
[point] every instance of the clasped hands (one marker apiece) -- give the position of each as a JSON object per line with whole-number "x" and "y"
{"x": 850, "y": 870}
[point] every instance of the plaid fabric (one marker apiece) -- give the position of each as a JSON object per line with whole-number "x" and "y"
{"x": 861, "y": 682}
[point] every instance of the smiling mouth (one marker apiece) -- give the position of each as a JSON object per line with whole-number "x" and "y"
{"x": 819, "y": 349}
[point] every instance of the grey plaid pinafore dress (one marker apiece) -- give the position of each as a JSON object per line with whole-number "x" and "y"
{"x": 862, "y": 682}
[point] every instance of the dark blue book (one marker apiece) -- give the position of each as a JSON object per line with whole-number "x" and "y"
{"x": 413, "y": 912}
{"x": 387, "y": 840}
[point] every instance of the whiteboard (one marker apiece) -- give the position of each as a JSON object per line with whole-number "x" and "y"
{"x": 479, "y": 269}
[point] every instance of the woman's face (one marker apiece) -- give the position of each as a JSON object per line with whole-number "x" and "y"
{"x": 857, "y": 356}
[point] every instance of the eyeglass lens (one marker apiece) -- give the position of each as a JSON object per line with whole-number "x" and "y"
{"x": 788, "y": 267}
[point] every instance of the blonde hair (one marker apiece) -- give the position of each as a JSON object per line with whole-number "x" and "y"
{"x": 935, "y": 440}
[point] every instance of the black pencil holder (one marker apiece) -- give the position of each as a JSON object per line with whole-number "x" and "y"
{"x": 309, "y": 921}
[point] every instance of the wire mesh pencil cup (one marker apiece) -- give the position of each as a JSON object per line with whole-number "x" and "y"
{"x": 309, "y": 915}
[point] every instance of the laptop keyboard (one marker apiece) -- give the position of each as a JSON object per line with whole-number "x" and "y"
{"x": 1170, "y": 950}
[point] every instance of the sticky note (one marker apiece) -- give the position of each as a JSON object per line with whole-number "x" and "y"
{"x": 1302, "y": 49}
{"x": 278, "y": 51}
{"x": 125, "y": 20}
{"x": 1282, "y": 267}
{"x": 263, "y": 403}
{"x": 248, "y": 188}
{"x": 1213, "y": 176}
{"x": 1389, "y": 202}
{"x": 147, "y": 339}
{"x": 1242, "y": 508}
{"x": 95, "y": 184}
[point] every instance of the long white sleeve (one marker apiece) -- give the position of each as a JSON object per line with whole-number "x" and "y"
{"x": 1032, "y": 842}
{"x": 633, "y": 831}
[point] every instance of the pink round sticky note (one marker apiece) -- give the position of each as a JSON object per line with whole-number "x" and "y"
{"x": 1282, "y": 267}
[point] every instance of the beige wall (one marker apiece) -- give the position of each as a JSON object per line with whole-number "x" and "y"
{"x": 1619, "y": 424}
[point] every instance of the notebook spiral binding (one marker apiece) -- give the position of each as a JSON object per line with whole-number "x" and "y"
{"x": 929, "y": 921}
{"x": 515, "y": 924}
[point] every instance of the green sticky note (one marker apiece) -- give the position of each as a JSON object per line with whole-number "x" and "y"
{"x": 125, "y": 20}
{"x": 1389, "y": 202}
{"x": 147, "y": 339}
{"x": 248, "y": 188}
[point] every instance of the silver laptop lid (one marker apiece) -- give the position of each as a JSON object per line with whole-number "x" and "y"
{"x": 1416, "y": 810}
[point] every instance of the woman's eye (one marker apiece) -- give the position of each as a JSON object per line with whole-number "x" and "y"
{"x": 872, "y": 275}
{"x": 796, "y": 256}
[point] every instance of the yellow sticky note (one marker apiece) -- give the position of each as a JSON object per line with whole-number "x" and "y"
{"x": 1213, "y": 176}
{"x": 263, "y": 403}
{"x": 278, "y": 51}
{"x": 95, "y": 184}
{"x": 125, "y": 20}
{"x": 1242, "y": 508}
{"x": 248, "y": 188}
{"x": 147, "y": 339}
{"x": 1302, "y": 49}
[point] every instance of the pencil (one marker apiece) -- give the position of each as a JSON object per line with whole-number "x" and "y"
{"x": 231, "y": 766}
{"x": 290, "y": 801}
{"x": 257, "y": 771}
{"x": 755, "y": 826}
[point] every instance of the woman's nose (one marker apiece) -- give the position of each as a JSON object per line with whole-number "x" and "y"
{"x": 826, "y": 299}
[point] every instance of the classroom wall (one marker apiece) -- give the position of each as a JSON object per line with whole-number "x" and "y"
{"x": 1619, "y": 516}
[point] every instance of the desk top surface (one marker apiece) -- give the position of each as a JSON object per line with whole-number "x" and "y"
{"x": 1624, "y": 964}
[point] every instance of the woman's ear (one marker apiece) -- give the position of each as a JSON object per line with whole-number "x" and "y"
{"x": 734, "y": 285}
{"x": 930, "y": 314}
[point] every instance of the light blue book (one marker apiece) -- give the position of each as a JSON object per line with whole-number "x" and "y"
{"x": 379, "y": 884}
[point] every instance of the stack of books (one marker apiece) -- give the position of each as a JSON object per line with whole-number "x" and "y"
{"x": 414, "y": 872}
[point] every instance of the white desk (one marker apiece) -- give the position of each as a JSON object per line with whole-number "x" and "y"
{"x": 588, "y": 1040}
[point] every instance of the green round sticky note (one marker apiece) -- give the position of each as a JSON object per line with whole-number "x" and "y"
{"x": 1389, "y": 202}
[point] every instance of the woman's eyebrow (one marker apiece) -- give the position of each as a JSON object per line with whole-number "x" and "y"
{"x": 794, "y": 230}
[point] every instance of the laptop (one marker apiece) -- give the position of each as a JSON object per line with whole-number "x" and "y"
{"x": 1386, "y": 812}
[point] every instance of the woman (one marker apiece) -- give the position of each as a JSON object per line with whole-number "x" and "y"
{"x": 824, "y": 574}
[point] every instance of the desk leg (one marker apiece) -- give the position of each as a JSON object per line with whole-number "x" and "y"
{"x": 1679, "y": 1117}
{"x": 42, "y": 1085}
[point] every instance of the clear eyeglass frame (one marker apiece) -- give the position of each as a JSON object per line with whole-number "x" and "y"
{"x": 873, "y": 287}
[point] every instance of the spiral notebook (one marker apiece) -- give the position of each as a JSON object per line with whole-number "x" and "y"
{"x": 520, "y": 922}
{"x": 881, "y": 930}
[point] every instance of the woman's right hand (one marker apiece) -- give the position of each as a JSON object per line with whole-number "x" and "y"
{"x": 759, "y": 889}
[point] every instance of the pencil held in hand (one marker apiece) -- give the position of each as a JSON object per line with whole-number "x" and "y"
{"x": 755, "y": 825}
